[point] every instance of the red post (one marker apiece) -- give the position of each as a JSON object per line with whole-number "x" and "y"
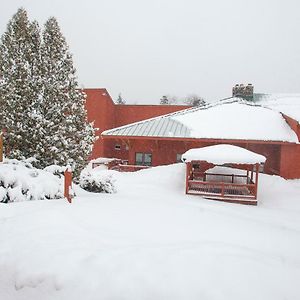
{"x": 256, "y": 180}
{"x": 187, "y": 177}
{"x": 68, "y": 184}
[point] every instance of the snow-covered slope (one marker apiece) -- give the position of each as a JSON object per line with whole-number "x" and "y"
{"x": 151, "y": 241}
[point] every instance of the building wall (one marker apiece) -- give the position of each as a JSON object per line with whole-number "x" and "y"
{"x": 165, "y": 151}
{"x": 100, "y": 111}
{"x": 106, "y": 115}
{"x": 290, "y": 161}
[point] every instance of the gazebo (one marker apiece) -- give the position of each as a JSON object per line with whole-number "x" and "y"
{"x": 223, "y": 172}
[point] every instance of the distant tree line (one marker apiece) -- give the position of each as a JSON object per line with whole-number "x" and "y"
{"x": 42, "y": 112}
{"x": 193, "y": 100}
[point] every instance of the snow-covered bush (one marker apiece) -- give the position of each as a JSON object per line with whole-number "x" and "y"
{"x": 19, "y": 181}
{"x": 98, "y": 180}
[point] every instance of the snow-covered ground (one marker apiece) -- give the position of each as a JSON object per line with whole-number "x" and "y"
{"x": 151, "y": 241}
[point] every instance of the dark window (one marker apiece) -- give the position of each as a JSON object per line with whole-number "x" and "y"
{"x": 117, "y": 147}
{"x": 143, "y": 159}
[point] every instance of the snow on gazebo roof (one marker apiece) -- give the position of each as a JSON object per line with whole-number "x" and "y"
{"x": 223, "y": 154}
{"x": 232, "y": 119}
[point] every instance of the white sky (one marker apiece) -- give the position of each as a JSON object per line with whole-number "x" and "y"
{"x": 147, "y": 48}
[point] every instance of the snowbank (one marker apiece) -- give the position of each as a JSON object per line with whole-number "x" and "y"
{"x": 19, "y": 181}
{"x": 151, "y": 241}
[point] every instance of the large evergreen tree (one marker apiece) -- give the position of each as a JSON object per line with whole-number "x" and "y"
{"x": 20, "y": 85}
{"x": 68, "y": 136}
{"x": 42, "y": 109}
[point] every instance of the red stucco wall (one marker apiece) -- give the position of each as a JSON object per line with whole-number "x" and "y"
{"x": 100, "y": 111}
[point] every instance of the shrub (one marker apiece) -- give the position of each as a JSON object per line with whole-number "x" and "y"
{"x": 98, "y": 181}
{"x": 19, "y": 181}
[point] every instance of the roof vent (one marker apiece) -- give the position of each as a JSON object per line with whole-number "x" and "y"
{"x": 243, "y": 91}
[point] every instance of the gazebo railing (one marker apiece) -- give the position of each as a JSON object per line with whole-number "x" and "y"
{"x": 222, "y": 189}
{"x": 230, "y": 178}
{"x": 227, "y": 178}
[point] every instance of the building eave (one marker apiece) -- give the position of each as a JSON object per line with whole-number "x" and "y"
{"x": 208, "y": 140}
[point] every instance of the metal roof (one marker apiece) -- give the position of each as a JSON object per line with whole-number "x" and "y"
{"x": 159, "y": 127}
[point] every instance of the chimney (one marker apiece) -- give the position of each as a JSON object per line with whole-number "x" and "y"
{"x": 243, "y": 91}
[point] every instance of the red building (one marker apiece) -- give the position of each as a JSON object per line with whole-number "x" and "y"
{"x": 158, "y": 134}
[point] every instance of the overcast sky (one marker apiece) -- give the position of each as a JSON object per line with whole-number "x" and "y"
{"x": 148, "y": 48}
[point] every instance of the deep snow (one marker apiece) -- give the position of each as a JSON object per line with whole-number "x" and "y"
{"x": 151, "y": 241}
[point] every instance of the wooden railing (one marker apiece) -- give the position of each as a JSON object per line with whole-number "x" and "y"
{"x": 222, "y": 189}
{"x": 233, "y": 178}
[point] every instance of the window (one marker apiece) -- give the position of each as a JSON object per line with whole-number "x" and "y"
{"x": 143, "y": 159}
{"x": 178, "y": 158}
{"x": 117, "y": 147}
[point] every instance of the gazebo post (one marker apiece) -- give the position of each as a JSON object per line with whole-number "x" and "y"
{"x": 188, "y": 170}
{"x": 256, "y": 179}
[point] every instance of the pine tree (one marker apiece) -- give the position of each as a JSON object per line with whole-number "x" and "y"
{"x": 42, "y": 109}
{"x": 195, "y": 100}
{"x": 164, "y": 100}
{"x": 120, "y": 100}
{"x": 68, "y": 137}
{"x": 19, "y": 85}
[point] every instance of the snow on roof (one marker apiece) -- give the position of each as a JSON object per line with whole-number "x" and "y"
{"x": 287, "y": 104}
{"x": 230, "y": 119}
{"x": 222, "y": 154}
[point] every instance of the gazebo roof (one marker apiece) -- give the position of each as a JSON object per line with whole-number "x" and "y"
{"x": 223, "y": 154}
